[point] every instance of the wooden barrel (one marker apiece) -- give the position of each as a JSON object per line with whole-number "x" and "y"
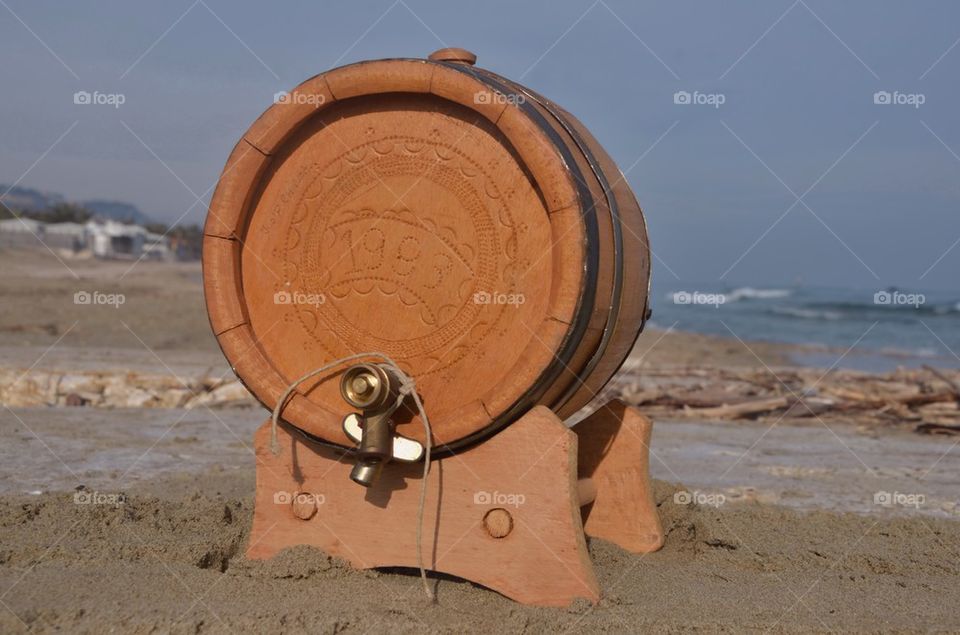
{"x": 436, "y": 212}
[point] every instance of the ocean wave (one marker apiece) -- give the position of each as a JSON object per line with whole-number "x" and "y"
{"x": 901, "y": 352}
{"x": 807, "y": 314}
{"x": 872, "y": 307}
{"x": 751, "y": 293}
{"x": 946, "y": 310}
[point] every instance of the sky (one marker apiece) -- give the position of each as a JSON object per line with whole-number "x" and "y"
{"x": 769, "y": 142}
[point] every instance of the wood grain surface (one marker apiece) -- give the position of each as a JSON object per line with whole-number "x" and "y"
{"x": 504, "y": 514}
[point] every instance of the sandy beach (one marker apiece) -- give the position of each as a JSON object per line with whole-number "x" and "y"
{"x": 136, "y": 519}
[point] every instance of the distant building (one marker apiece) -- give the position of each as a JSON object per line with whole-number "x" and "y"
{"x": 110, "y": 239}
{"x": 157, "y": 247}
{"x": 106, "y": 239}
{"x": 70, "y": 236}
{"x": 21, "y": 232}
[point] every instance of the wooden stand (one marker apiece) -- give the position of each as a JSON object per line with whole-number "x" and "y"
{"x": 505, "y": 513}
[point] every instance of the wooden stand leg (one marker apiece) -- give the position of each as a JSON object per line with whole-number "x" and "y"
{"x": 504, "y": 514}
{"x": 615, "y": 452}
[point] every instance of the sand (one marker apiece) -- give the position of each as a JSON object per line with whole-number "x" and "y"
{"x": 163, "y": 549}
{"x": 174, "y": 564}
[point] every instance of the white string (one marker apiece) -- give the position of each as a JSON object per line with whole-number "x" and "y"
{"x": 407, "y": 387}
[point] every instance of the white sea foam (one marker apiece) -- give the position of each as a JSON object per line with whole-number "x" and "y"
{"x": 751, "y": 293}
{"x": 807, "y": 314}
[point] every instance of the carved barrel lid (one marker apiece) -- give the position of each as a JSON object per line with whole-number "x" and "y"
{"x": 413, "y": 208}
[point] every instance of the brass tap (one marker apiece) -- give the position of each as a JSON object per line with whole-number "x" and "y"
{"x": 374, "y": 390}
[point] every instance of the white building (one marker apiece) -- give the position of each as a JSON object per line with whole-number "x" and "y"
{"x": 103, "y": 238}
{"x": 110, "y": 239}
{"x": 70, "y": 236}
{"x": 21, "y": 232}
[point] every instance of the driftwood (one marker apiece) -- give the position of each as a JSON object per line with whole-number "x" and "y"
{"x": 106, "y": 389}
{"x": 928, "y": 398}
{"x": 738, "y": 410}
{"x": 938, "y": 428}
{"x": 954, "y": 385}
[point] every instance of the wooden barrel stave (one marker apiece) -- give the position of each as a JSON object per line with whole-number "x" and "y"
{"x": 619, "y": 212}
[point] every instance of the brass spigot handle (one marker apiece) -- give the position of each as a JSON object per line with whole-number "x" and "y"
{"x": 375, "y": 390}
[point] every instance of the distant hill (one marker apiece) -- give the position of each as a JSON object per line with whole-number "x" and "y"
{"x": 29, "y": 201}
{"x": 24, "y": 199}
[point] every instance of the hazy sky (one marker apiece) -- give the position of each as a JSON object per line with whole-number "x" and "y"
{"x": 797, "y": 175}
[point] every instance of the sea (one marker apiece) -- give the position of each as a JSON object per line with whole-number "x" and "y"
{"x": 875, "y": 330}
